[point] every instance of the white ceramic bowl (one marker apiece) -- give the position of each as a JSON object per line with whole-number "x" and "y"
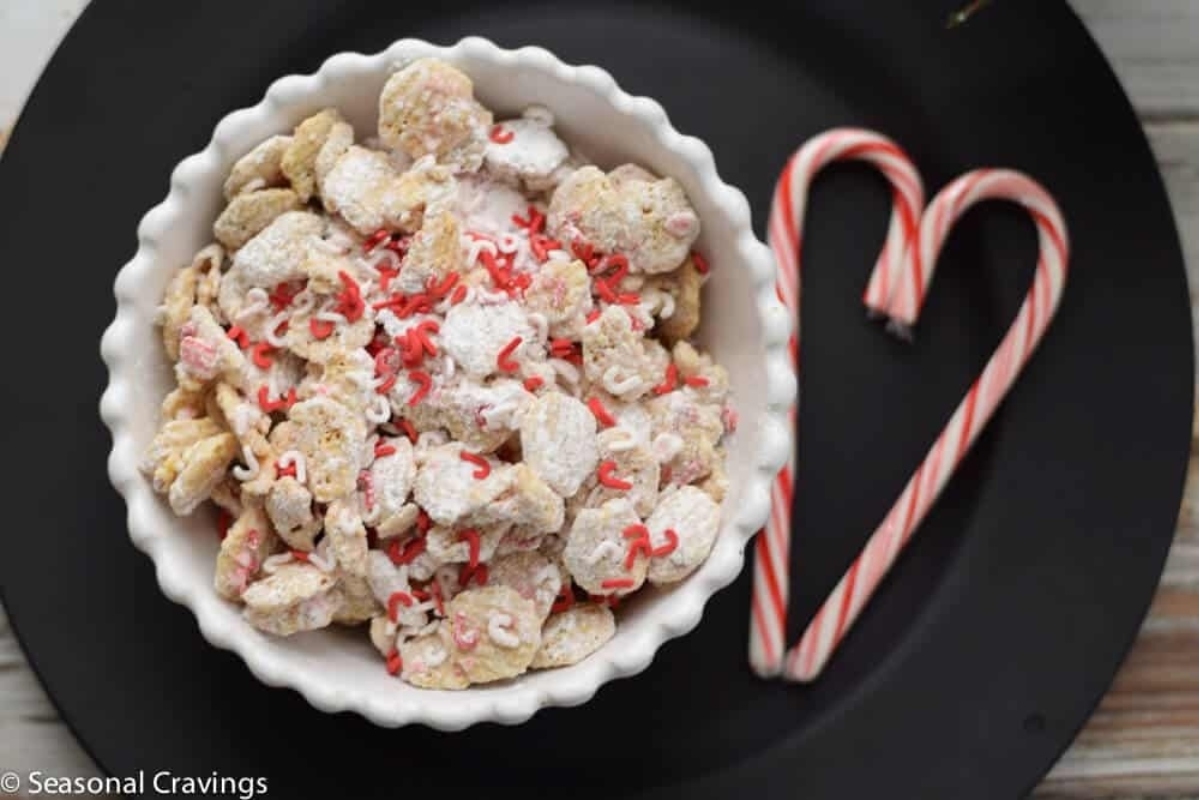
{"x": 745, "y": 328}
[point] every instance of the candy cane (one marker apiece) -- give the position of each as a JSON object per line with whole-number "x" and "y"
{"x": 842, "y": 606}
{"x": 769, "y": 604}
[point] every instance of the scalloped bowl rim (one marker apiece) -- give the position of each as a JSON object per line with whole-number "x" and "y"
{"x": 515, "y": 701}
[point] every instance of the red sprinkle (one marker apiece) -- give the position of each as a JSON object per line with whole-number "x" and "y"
{"x": 533, "y": 383}
{"x": 629, "y": 298}
{"x": 409, "y": 430}
{"x": 410, "y": 347}
{"x": 460, "y": 294}
{"x": 260, "y": 354}
{"x": 282, "y": 296}
{"x": 500, "y": 134}
{"x": 321, "y": 329}
{"x": 438, "y": 290}
{"x": 700, "y": 263}
{"x": 422, "y": 335}
{"x": 640, "y": 543}
{"x": 382, "y": 450}
{"x": 349, "y": 301}
{"x": 238, "y": 335}
{"x": 424, "y": 381}
{"x": 561, "y": 347}
{"x": 375, "y": 239}
{"x": 283, "y": 472}
{"x": 604, "y": 291}
{"x": 586, "y": 253}
{"x": 669, "y": 547}
{"x": 484, "y": 468}
{"x": 600, "y": 412}
{"x": 471, "y": 537}
{"x": 478, "y": 573}
{"x": 394, "y": 663}
{"x": 541, "y": 245}
{"x": 593, "y": 315}
{"x": 395, "y": 600}
{"x": 696, "y": 380}
{"x": 618, "y": 583}
{"x": 269, "y": 405}
{"x": 496, "y": 270}
{"x": 504, "y": 360}
{"x": 224, "y": 520}
{"x": 606, "y": 477}
{"x": 300, "y": 556}
{"x": 386, "y": 276}
{"x": 669, "y": 381}
{"x": 407, "y": 553}
{"x": 423, "y": 522}
{"x": 565, "y": 599}
{"x": 387, "y": 384}
{"x": 535, "y": 222}
{"x": 399, "y": 246}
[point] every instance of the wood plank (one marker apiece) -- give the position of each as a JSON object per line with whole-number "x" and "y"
{"x": 1152, "y": 47}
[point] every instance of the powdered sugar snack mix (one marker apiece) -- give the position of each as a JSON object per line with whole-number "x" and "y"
{"x": 439, "y": 384}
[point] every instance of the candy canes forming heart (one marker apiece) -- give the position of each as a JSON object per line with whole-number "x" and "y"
{"x": 897, "y": 292}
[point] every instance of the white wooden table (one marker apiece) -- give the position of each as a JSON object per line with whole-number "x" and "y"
{"x": 1142, "y": 742}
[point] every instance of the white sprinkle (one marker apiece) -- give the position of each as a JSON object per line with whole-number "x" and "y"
{"x": 272, "y": 563}
{"x": 258, "y": 303}
{"x": 250, "y": 471}
{"x": 540, "y": 324}
{"x": 303, "y": 302}
{"x": 508, "y": 243}
{"x": 273, "y": 325}
{"x": 498, "y": 630}
{"x": 565, "y": 370}
{"x": 330, "y": 316}
{"x": 619, "y": 386}
{"x": 628, "y": 441}
{"x": 380, "y": 410}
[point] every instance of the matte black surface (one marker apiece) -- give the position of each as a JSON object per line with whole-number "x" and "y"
{"x": 1001, "y": 625}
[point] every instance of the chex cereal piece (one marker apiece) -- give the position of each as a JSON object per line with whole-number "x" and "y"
{"x": 686, "y": 433}
{"x": 455, "y": 545}
{"x": 618, "y": 359}
{"x": 561, "y": 292}
{"x": 570, "y": 636}
{"x": 337, "y": 142}
{"x": 483, "y": 416}
{"x": 558, "y": 441}
{"x": 531, "y": 575}
{"x": 435, "y": 253}
{"x": 297, "y": 597}
{"x": 246, "y": 545}
{"x": 683, "y": 529}
{"x": 529, "y": 502}
{"x": 275, "y": 256}
{"x": 331, "y": 437}
{"x": 382, "y": 632}
{"x": 598, "y": 548}
{"x": 250, "y": 212}
{"x": 525, "y": 152}
{"x": 289, "y": 506}
{"x": 392, "y": 473}
{"x": 450, "y": 487}
{"x": 300, "y": 158}
{"x": 187, "y": 460}
{"x": 427, "y": 663}
{"x": 358, "y": 603}
{"x": 261, "y": 168}
{"x": 684, "y": 287}
{"x": 165, "y": 457}
{"x": 428, "y": 108}
{"x": 491, "y": 633}
{"x": 631, "y": 463}
{"x": 206, "y": 353}
{"x": 476, "y": 337}
{"x": 347, "y": 537}
{"x": 648, "y": 221}
{"x": 365, "y": 188}
{"x": 699, "y": 375}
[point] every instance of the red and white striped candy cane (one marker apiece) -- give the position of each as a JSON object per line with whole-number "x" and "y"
{"x": 768, "y": 620}
{"x": 842, "y": 606}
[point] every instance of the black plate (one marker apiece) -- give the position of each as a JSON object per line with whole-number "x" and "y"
{"x": 1001, "y": 625}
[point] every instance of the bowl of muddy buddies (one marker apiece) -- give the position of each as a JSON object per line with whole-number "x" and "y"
{"x": 447, "y": 384}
